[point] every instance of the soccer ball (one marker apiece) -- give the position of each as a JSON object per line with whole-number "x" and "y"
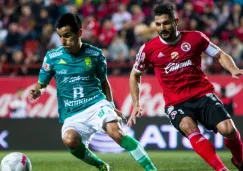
{"x": 16, "y": 161}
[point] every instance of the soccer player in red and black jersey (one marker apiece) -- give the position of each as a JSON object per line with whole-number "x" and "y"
{"x": 189, "y": 96}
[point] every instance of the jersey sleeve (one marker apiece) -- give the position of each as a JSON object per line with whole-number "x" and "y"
{"x": 46, "y": 71}
{"x": 208, "y": 47}
{"x": 101, "y": 67}
{"x": 141, "y": 63}
{"x": 204, "y": 41}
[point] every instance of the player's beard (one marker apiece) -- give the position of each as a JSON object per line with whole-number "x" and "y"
{"x": 167, "y": 35}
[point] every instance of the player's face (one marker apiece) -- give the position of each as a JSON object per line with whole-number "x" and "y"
{"x": 70, "y": 40}
{"x": 166, "y": 27}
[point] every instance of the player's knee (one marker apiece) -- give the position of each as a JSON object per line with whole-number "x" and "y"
{"x": 71, "y": 139}
{"x": 226, "y": 128}
{"x": 187, "y": 126}
{"x": 117, "y": 135}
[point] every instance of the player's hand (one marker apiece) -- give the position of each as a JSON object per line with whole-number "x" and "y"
{"x": 237, "y": 73}
{"x": 136, "y": 112}
{"x": 34, "y": 94}
{"x": 119, "y": 113}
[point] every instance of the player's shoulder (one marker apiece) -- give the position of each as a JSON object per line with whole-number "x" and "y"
{"x": 55, "y": 53}
{"x": 91, "y": 50}
{"x": 150, "y": 45}
{"x": 192, "y": 33}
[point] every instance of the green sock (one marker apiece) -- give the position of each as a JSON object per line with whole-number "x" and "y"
{"x": 133, "y": 147}
{"x": 86, "y": 155}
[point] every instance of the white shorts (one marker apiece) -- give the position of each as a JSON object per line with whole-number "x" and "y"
{"x": 89, "y": 121}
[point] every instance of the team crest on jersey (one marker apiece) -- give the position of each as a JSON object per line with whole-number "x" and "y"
{"x": 174, "y": 55}
{"x": 185, "y": 46}
{"x": 88, "y": 63}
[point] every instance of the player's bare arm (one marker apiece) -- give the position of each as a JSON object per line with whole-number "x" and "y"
{"x": 228, "y": 63}
{"x": 134, "y": 83}
{"x": 106, "y": 88}
{"x": 37, "y": 91}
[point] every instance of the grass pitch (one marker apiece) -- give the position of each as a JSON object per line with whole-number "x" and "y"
{"x": 163, "y": 160}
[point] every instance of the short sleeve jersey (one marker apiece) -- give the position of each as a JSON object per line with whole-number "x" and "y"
{"x": 177, "y": 66}
{"x": 78, "y": 78}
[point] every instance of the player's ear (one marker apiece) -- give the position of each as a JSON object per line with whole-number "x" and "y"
{"x": 176, "y": 21}
{"x": 80, "y": 33}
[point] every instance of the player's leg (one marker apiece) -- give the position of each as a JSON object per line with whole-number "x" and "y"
{"x": 232, "y": 141}
{"x": 219, "y": 120}
{"x": 72, "y": 139}
{"x": 200, "y": 144}
{"x": 183, "y": 119}
{"x": 131, "y": 145}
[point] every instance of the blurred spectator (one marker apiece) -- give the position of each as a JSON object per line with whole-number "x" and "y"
{"x": 27, "y": 23}
{"x": 235, "y": 15}
{"x": 200, "y": 6}
{"x": 53, "y": 10}
{"x": 45, "y": 39}
{"x": 227, "y": 101}
{"x": 103, "y": 10}
{"x": 142, "y": 33}
{"x": 118, "y": 50}
{"x": 18, "y": 106}
{"x": 3, "y": 33}
{"x": 4, "y": 70}
{"x": 18, "y": 61}
{"x": 35, "y": 6}
{"x": 91, "y": 30}
{"x": 121, "y": 16}
{"x": 137, "y": 15}
{"x": 108, "y": 31}
{"x": 87, "y": 8}
{"x": 43, "y": 19}
{"x": 235, "y": 49}
{"x": 55, "y": 41}
{"x": 23, "y": 27}
{"x": 224, "y": 14}
{"x": 127, "y": 34}
{"x": 13, "y": 39}
{"x": 238, "y": 31}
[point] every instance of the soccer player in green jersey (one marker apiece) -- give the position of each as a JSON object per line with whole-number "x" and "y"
{"x": 85, "y": 102}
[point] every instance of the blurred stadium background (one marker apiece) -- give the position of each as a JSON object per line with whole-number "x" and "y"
{"x": 119, "y": 27}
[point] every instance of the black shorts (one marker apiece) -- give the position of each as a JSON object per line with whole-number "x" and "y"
{"x": 208, "y": 110}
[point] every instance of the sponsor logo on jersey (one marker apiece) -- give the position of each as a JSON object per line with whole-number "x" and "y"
{"x": 62, "y": 72}
{"x": 55, "y": 54}
{"x": 91, "y": 51}
{"x": 185, "y": 46}
{"x": 175, "y": 66}
{"x": 62, "y": 62}
{"x": 75, "y": 79}
{"x": 173, "y": 114}
{"x": 160, "y": 55}
{"x": 46, "y": 66}
{"x": 70, "y": 103}
{"x": 174, "y": 55}
{"x": 88, "y": 63}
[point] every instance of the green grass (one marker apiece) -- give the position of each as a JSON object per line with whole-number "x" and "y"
{"x": 164, "y": 161}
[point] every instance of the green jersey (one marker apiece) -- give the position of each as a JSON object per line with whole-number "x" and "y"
{"x": 78, "y": 78}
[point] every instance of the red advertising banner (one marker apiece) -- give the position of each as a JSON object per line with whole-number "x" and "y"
{"x": 151, "y": 95}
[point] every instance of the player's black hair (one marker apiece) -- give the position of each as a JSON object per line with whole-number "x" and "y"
{"x": 165, "y": 8}
{"x": 71, "y": 20}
